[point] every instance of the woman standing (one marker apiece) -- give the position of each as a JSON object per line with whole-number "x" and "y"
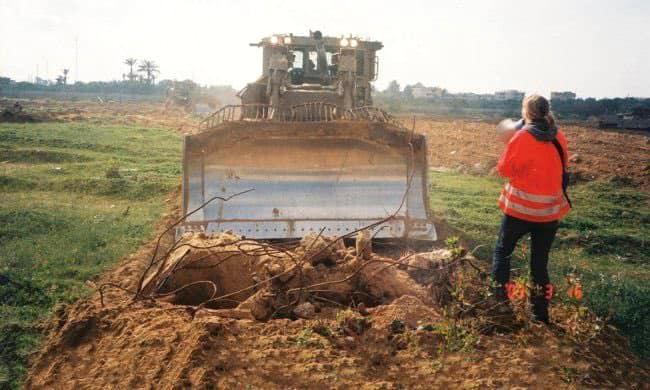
{"x": 534, "y": 199}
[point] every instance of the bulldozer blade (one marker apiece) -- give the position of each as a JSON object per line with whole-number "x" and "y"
{"x": 307, "y": 177}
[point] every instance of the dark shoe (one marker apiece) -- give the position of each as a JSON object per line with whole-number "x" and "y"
{"x": 500, "y": 294}
{"x": 540, "y": 309}
{"x": 499, "y": 312}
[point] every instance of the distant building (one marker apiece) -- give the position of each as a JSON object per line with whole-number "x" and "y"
{"x": 563, "y": 96}
{"x": 510, "y": 94}
{"x": 421, "y": 92}
{"x": 470, "y": 96}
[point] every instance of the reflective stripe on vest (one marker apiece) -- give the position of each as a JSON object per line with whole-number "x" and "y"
{"x": 544, "y": 212}
{"x": 548, "y": 199}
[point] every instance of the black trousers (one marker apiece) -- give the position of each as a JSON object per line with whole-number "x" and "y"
{"x": 542, "y": 235}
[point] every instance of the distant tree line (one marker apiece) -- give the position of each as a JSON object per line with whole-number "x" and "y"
{"x": 7, "y": 85}
{"x": 141, "y": 81}
{"x": 225, "y": 93}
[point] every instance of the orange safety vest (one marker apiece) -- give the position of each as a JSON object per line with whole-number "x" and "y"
{"x": 534, "y": 169}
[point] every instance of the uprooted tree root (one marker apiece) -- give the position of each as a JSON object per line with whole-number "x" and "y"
{"x": 272, "y": 281}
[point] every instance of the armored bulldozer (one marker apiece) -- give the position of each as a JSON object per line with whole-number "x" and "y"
{"x": 318, "y": 157}
{"x": 187, "y": 95}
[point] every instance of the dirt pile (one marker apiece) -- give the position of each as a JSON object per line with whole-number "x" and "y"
{"x": 370, "y": 321}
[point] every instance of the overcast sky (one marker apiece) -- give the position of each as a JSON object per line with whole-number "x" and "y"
{"x": 595, "y": 48}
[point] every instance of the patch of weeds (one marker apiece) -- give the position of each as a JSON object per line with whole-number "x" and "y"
{"x": 113, "y": 172}
{"x": 15, "y": 184}
{"x": 626, "y": 303}
{"x": 568, "y": 374}
{"x": 397, "y": 327}
{"x": 618, "y": 244}
{"x": 323, "y": 329}
{"x": 307, "y": 339}
{"x": 350, "y": 323}
{"x": 36, "y": 156}
{"x": 435, "y": 366}
{"x": 453, "y": 244}
{"x": 457, "y": 337}
{"x": 25, "y": 223}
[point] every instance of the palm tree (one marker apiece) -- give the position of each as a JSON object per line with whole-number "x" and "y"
{"x": 150, "y": 68}
{"x": 130, "y": 62}
{"x": 65, "y": 76}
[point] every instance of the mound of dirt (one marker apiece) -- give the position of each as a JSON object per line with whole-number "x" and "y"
{"x": 373, "y": 323}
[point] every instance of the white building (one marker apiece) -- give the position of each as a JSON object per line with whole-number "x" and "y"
{"x": 563, "y": 96}
{"x": 510, "y": 94}
{"x": 421, "y": 92}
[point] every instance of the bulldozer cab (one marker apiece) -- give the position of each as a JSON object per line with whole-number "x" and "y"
{"x": 306, "y": 152}
{"x": 301, "y": 69}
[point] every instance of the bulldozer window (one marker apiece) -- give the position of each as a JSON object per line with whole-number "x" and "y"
{"x": 297, "y": 59}
{"x": 361, "y": 56}
{"x": 313, "y": 60}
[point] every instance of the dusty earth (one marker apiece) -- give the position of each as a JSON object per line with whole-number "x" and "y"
{"x": 471, "y": 146}
{"x": 388, "y": 324}
{"x": 104, "y": 112}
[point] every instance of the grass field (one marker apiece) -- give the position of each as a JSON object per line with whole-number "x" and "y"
{"x": 603, "y": 241}
{"x": 75, "y": 199}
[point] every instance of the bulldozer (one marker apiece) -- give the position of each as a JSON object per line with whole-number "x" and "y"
{"x": 307, "y": 152}
{"x": 188, "y": 95}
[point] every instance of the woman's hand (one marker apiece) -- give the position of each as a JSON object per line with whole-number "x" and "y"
{"x": 507, "y": 128}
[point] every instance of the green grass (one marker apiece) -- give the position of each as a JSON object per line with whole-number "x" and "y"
{"x": 76, "y": 197}
{"x": 603, "y": 241}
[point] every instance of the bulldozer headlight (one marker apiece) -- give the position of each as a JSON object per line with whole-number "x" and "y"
{"x": 354, "y": 43}
{"x": 344, "y": 42}
{"x": 287, "y": 40}
{"x": 274, "y": 40}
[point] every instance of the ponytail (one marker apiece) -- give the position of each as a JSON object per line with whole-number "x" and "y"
{"x": 550, "y": 118}
{"x": 537, "y": 108}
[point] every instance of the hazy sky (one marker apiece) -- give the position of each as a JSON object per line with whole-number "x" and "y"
{"x": 595, "y": 48}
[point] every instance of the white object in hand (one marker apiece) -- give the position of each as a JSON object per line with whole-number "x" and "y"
{"x": 507, "y": 128}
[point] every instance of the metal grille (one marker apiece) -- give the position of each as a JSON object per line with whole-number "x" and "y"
{"x": 306, "y": 112}
{"x": 370, "y": 113}
{"x": 314, "y": 112}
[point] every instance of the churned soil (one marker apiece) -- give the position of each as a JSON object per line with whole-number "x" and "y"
{"x": 472, "y": 146}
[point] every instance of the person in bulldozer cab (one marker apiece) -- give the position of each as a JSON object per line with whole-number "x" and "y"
{"x": 301, "y": 69}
